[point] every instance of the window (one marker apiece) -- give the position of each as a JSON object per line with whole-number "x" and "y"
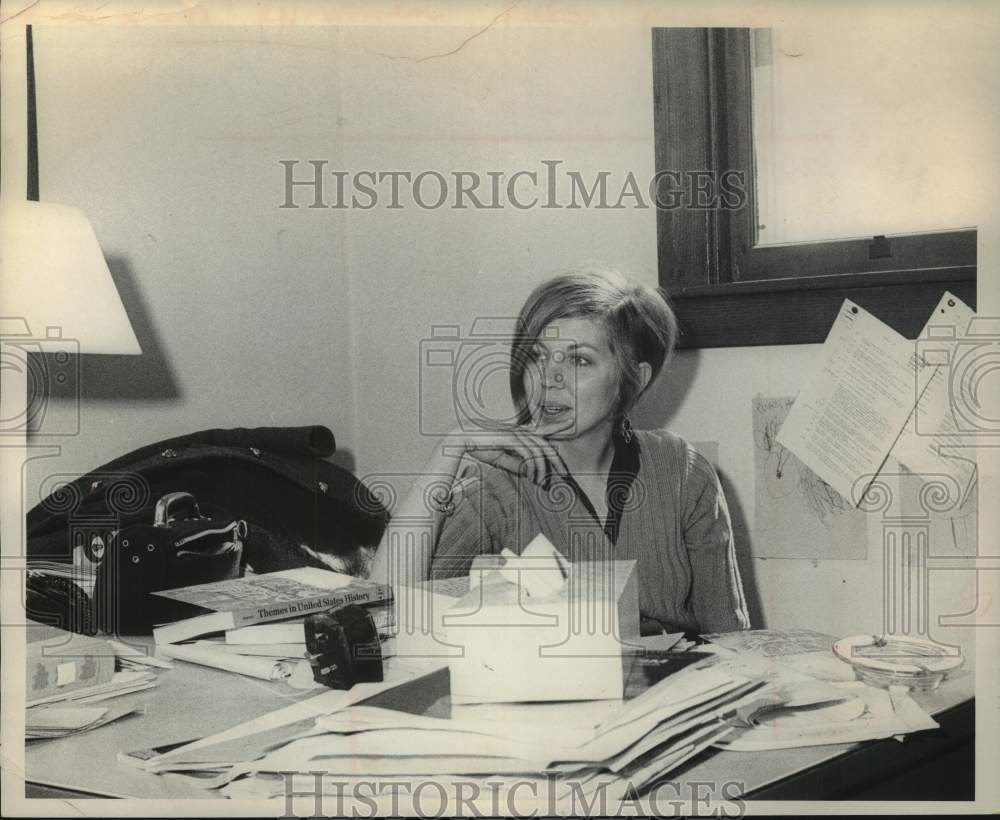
{"x": 729, "y": 288}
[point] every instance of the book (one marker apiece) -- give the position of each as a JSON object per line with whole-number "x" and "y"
{"x": 267, "y": 650}
{"x": 272, "y": 596}
{"x": 293, "y": 631}
{"x": 58, "y": 662}
{"x": 285, "y": 632}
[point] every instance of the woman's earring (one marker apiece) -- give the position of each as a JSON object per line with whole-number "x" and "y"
{"x": 627, "y": 432}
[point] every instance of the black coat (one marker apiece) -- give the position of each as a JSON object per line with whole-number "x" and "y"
{"x": 277, "y": 479}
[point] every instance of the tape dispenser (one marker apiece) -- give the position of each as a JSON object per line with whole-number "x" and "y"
{"x": 343, "y": 647}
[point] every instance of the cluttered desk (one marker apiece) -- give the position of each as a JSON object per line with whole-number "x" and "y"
{"x": 247, "y": 711}
{"x": 526, "y": 680}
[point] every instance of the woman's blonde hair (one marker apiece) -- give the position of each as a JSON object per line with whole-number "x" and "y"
{"x": 637, "y": 318}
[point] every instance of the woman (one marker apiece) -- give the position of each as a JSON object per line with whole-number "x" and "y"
{"x": 587, "y": 344}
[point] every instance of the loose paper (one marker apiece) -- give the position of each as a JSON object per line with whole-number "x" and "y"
{"x": 773, "y": 643}
{"x": 882, "y": 716}
{"x": 215, "y": 747}
{"x": 253, "y": 666}
{"x": 47, "y": 722}
{"x": 849, "y": 412}
{"x": 951, "y": 522}
{"x": 935, "y": 440}
{"x": 874, "y": 393}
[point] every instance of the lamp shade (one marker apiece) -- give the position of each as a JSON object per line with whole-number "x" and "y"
{"x": 54, "y": 280}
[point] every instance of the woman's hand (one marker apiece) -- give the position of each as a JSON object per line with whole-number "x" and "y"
{"x": 514, "y": 449}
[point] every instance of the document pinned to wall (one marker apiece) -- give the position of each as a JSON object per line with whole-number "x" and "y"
{"x": 796, "y": 513}
{"x": 850, "y": 410}
{"x": 935, "y": 441}
{"x": 949, "y": 512}
{"x": 869, "y": 385}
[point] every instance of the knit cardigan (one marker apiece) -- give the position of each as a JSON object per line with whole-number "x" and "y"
{"x": 674, "y": 524}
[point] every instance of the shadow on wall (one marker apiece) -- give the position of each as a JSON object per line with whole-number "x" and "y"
{"x": 744, "y": 552}
{"x": 665, "y": 395}
{"x": 657, "y": 408}
{"x": 148, "y": 376}
{"x": 344, "y": 458}
{"x": 118, "y": 377}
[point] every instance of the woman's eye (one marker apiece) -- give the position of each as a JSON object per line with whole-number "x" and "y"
{"x": 582, "y": 361}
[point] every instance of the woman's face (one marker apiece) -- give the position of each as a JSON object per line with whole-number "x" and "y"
{"x": 572, "y": 386}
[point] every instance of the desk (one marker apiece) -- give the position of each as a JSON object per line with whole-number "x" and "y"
{"x": 192, "y": 701}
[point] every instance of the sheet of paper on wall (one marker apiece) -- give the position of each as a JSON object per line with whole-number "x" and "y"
{"x": 952, "y": 523}
{"x": 796, "y": 513}
{"x": 852, "y": 406}
{"x": 936, "y": 440}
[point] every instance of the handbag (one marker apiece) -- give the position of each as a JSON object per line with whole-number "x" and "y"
{"x": 301, "y": 509}
{"x": 181, "y": 547}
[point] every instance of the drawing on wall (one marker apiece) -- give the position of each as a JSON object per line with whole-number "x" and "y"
{"x": 797, "y": 514}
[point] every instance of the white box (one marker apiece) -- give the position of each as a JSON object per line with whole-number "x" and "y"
{"x": 566, "y": 645}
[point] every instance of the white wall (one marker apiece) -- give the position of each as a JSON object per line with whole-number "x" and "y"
{"x": 504, "y": 103}
{"x": 839, "y": 596}
{"x": 169, "y": 140}
{"x": 250, "y": 315}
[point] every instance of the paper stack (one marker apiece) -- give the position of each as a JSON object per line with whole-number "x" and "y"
{"x": 60, "y": 662}
{"x": 425, "y": 678}
{"x": 121, "y": 683}
{"x": 67, "y": 674}
{"x": 48, "y": 722}
{"x": 626, "y": 746}
{"x": 812, "y": 697}
{"x": 63, "y": 667}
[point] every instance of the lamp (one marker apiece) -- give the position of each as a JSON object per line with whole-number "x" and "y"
{"x": 57, "y": 297}
{"x": 56, "y": 292}
{"x": 54, "y": 275}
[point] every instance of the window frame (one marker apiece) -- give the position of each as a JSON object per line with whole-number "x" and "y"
{"x": 730, "y": 291}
